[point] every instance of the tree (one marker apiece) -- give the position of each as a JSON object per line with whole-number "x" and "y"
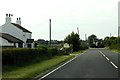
{"x": 108, "y": 41}
{"x": 112, "y": 42}
{"x": 91, "y": 40}
{"x": 74, "y": 40}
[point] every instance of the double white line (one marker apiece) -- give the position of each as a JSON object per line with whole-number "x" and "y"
{"x": 108, "y": 59}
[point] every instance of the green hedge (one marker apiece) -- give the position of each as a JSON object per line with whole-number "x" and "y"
{"x": 24, "y": 56}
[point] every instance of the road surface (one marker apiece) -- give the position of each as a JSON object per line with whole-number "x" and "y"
{"x": 94, "y": 63}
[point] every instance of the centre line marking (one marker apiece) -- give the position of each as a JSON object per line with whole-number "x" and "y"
{"x": 108, "y": 59}
{"x": 114, "y": 65}
{"x": 103, "y": 55}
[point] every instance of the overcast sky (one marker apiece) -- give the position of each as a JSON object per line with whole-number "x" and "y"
{"x": 99, "y": 17}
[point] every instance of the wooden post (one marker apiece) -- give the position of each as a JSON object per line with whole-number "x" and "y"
{"x": 50, "y": 32}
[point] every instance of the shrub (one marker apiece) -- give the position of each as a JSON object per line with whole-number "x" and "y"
{"x": 83, "y": 47}
{"x": 52, "y": 52}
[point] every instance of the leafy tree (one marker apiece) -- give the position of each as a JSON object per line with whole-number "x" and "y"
{"x": 91, "y": 40}
{"x": 94, "y": 42}
{"x": 74, "y": 40}
{"x": 112, "y": 42}
{"x": 108, "y": 41}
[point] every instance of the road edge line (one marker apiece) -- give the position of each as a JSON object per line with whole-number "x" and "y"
{"x": 60, "y": 66}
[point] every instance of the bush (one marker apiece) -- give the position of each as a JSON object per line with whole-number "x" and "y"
{"x": 83, "y": 47}
{"x": 52, "y": 52}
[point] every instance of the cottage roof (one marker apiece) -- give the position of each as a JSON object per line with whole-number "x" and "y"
{"x": 10, "y": 38}
{"x": 20, "y": 27}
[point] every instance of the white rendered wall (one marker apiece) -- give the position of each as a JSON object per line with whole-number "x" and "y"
{"x": 5, "y": 42}
{"x": 16, "y": 32}
{"x": 26, "y": 36}
{"x": 12, "y": 30}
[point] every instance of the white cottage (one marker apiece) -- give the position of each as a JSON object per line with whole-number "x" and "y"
{"x": 14, "y": 35}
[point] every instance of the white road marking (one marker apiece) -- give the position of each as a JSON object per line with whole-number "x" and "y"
{"x": 59, "y": 67}
{"x": 104, "y": 55}
{"x": 108, "y": 59}
{"x": 114, "y": 65}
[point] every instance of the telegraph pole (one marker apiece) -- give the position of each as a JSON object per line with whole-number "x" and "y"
{"x": 118, "y": 34}
{"x": 50, "y": 32}
{"x": 85, "y": 37}
{"x": 118, "y": 22}
{"x": 110, "y": 34}
{"x": 78, "y": 31}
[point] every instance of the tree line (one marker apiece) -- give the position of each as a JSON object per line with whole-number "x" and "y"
{"x": 76, "y": 43}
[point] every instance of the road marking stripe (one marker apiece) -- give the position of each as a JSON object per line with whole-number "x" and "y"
{"x": 104, "y": 55}
{"x": 59, "y": 67}
{"x": 107, "y": 58}
{"x": 114, "y": 65}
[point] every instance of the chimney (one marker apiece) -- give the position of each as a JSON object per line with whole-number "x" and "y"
{"x": 8, "y": 18}
{"x": 18, "y": 21}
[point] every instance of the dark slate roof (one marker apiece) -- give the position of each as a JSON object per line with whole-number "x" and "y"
{"x": 10, "y": 38}
{"x": 20, "y": 27}
{"x": 30, "y": 41}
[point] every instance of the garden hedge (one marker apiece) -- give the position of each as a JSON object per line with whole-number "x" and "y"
{"x": 22, "y": 56}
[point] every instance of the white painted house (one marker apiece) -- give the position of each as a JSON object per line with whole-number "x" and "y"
{"x": 14, "y": 35}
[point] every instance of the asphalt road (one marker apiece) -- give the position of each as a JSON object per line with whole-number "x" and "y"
{"x": 94, "y": 63}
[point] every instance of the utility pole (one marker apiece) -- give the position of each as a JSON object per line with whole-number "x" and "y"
{"x": 118, "y": 22}
{"x": 50, "y": 32}
{"x": 78, "y": 31}
{"x": 110, "y": 34}
{"x": 85, "y": 37}
{"x": 118, "y": 34}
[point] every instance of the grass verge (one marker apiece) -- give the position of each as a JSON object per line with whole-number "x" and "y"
{"x": 33, "y": 70}
{"x": 36, "y": 69}
{"x": 116, "y": 51}
{"x": 81, "y": 51}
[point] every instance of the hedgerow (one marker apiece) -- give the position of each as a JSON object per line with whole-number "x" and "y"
{"x": 23, "y": 56}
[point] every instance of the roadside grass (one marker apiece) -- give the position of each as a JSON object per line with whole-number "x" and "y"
{"x": 116, "y": 51}
{"x": 35, "y": 69}
{"x": 81, "y": 51}
{"x": 0, "y": 76}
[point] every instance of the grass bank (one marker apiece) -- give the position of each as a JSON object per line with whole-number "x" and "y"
{"x": 36, "y": 69}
